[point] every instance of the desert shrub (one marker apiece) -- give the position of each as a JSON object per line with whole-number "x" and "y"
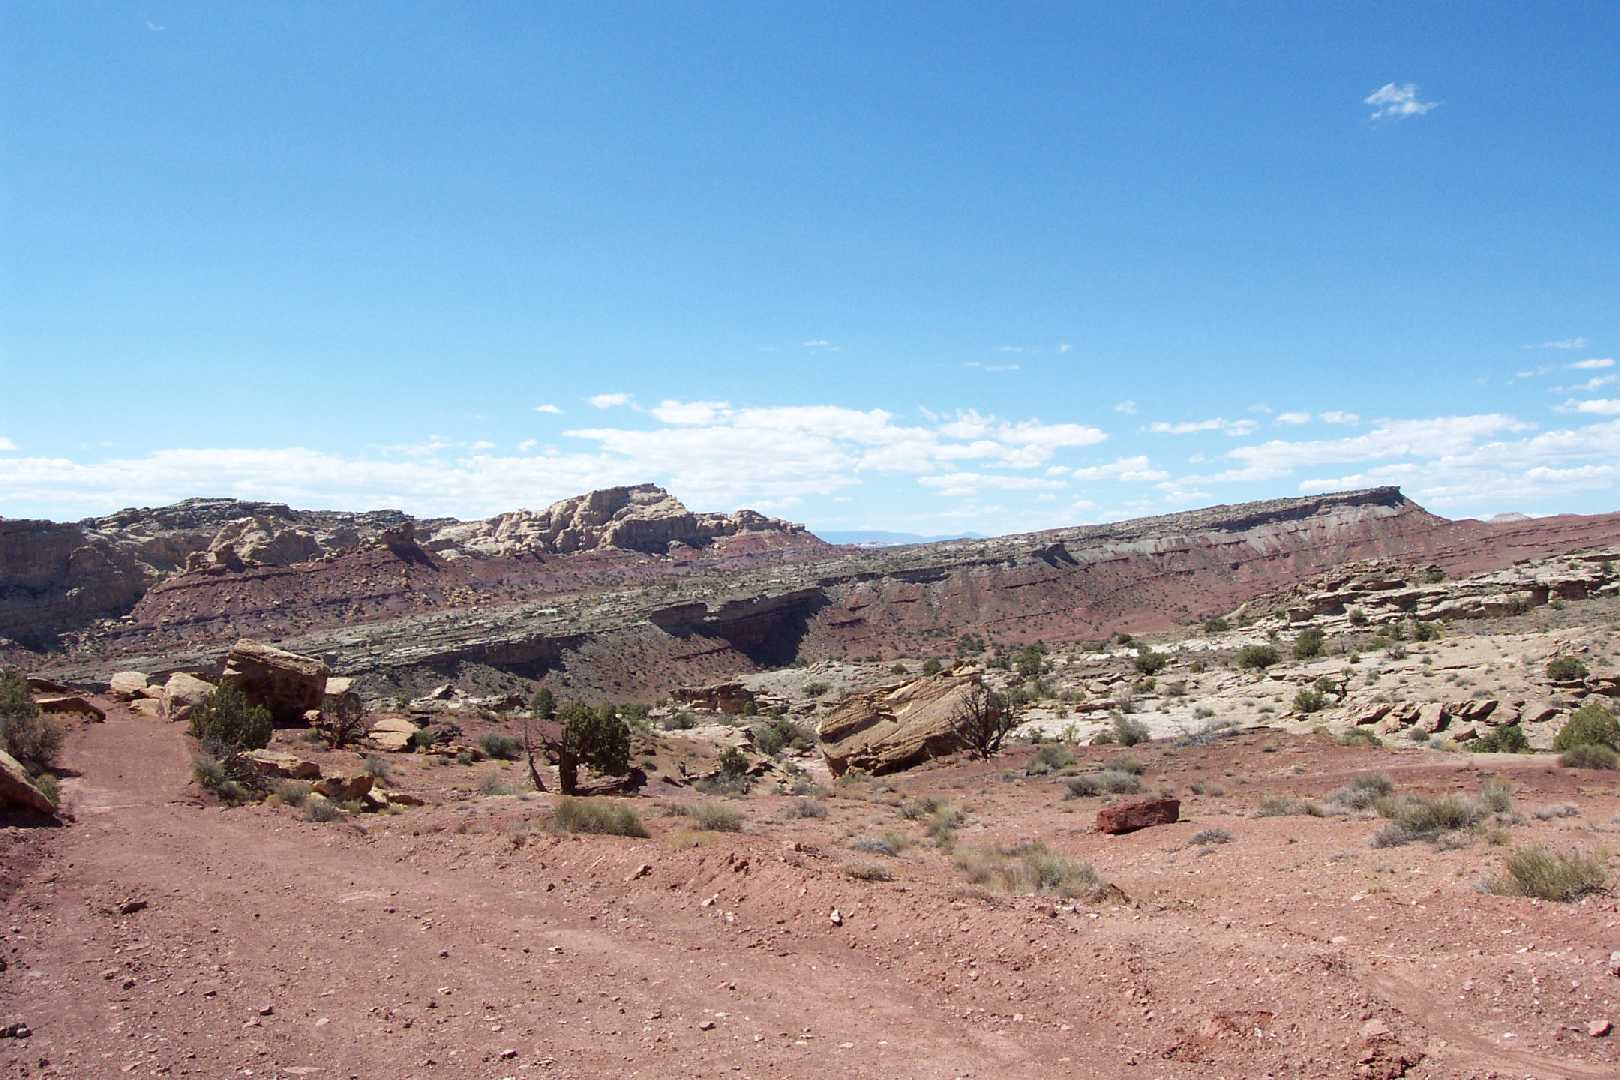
{"x": 1129, "y": 732}
{"x": 27, "y": 734}
{"x": 1363, "y": 791}
{"x": 939, "y": 819}
{"x": 1149, "y": 662}
{"x": 716, "y": 817}
{"x": 1360, "y": 737}
{"x": 815, "y": 689}
{"x": 1049, "y": 759}
{"x": 1545, "y": 874}
{"x": 875, "y": 845}
{"x": 1425, "y": 631}
{"x": 1211, "y": 836}
{"x": 1106, "y": 782}
{"x": 500, "y": 747}
{"x": 597, "y": 817}
{"x": 897, "y": 669}
{"x": 1591, "y": 724}
{"x": 1429, "y": 817}
{"x": 1556, "y": 810}
{"x": 1496, "y": 795}
{"x": 377, "y": 767}
{"x": 226, "y": 724}
{"x": 1127, "y": 763}
{"x": 778, "y": 733}
{"x": 1257, "y": 657}
{"x": 1309, "y": 700}
{"x": 1308, "y": 644}
{"x": 495, "y": 784}
{"x": 319, "y": 808}
{"x": 868, "y": 872}
{"x": 1507, "y": 739}
{"x": 932, "y": 667}
{"x": 1284, "y": 806}
{"x": 293, "y": 792}
{"x": 1589, "y": 756}
{"x": 543, "y": 705}
{"x": 982, "y": 720}
{"x": 47, "y": 786}
{"x": 1566, "y": 669}
{"x": 806, "y": 808}
{"x": 1217, "y": 625}
{"x": 681, "y": 720}
{"x": 226, "y": 778}
{"x": 1030, "y": 869}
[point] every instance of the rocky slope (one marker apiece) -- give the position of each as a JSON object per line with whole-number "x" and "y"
{"x": 619, "y": 623}
{"x": 55, "y": 578}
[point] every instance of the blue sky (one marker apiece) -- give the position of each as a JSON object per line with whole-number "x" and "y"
{"x": 931, "y": 268}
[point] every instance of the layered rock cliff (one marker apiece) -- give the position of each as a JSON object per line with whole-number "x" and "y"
{"x": 618, "y": 622}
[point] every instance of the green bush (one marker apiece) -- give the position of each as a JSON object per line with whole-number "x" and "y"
{"x": 319, "y": 808}
{"x": 27, "y": 734}
{"x": 1129, "y": 732}
{"x": 1308, "y": 644}
{"x": 1030, "y": 869}
{"x": 1360, "y": 737}
{"x": 592, "y": 816}
{"x": 1550, "y": 875}
{"x": 815, "y": 689}
{"x": 543, "y": 706}
{"x": 500, "y": 747}
{"x": 1589, "y": 725}
{"x": 1310, "y": 700}
{"x": 1049, "y": 759}
{"x": 779, "y": 733}
{"x": 595, "y": 738}
{"x": 1257, "y": 657}
{"x": 679, "y": 721}
{"x": 1149, "y": 662}
{"x": 932, "y": 667}
{"x": 1507, "y": 739}
{"x": 1589, "y": 756}
{"x": 226, "y": 724}
{"x": 1106, "y": 782}
{"x": 1217, "y": 625}
{"x": 1566, "y": 669}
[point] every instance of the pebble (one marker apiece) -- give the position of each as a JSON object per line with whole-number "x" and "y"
{"x": 1599, "y": 1028}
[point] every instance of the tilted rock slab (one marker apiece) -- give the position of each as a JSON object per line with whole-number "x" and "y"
{"x": 285, "y": 683}
{"x": 888, "y": 730}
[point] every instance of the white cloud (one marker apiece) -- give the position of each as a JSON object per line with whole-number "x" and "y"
{"x": 820, "y": 343}
{"x": 969, "y": 484}
{"x": 1338, "y": 416}
{"x": 549, "y": 409}
{"x": 1596, "y": 382}
{"x": 1294, "y": 418}
{"x": 1389, "y": 438}
{"x": 1233, "y": 428}
{"x": 1398, "y": 101}
{"x": 1563, "y": 343}
{"x": 1063, "y": 346}
{"x": 6, "y": 444}
{"x": 428, "y": 447}
{"x": 1132, "y": 470}
{"x": 609, "y": 401}
{"x": 483, "y": 444}
{"x": 1596, "y": 363}
{"x": 1598, "y": 406}
{"x": 992, "y": 367}
{"x": 528, "y": 444}
{"x": 1126, "y": 407}
{"x": 690, "y": 412}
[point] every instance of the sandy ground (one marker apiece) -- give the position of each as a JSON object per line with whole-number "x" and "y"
{"x": 463, "y": 939}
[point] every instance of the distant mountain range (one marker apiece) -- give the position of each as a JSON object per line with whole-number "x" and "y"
{"x": 879, "y": 538}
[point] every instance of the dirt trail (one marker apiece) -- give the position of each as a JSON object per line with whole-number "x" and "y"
{"x": 374, "y": 966}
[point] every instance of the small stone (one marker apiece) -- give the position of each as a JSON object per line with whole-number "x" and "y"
{"x": 837, "y": 917}
{"x": 1599, "y": 1028}
{"x": 640, "y": 872}
{"x": 707, "y": 1025}
{"x": 266, "y": 1010}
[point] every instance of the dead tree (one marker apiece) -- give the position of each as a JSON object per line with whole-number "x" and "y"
{"x": 528, "y": 752}
{"x": 982, "y": 720}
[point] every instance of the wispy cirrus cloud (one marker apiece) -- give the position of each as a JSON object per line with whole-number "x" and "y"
{"x": 1560, "y": 343}
{"x": 1233, "y": 428}
{"x": 550, "y": 410}
{"x": 609, "y": 401}
{"x": 1397, "y": 101}
{"x": 1596, "y": 363}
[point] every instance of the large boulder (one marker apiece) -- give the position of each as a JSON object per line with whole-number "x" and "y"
{"x": 340, "y": 701}
{"x": 128, "y": 685}
{"x": 71, "y": 705}
{"x": 732, "y": 698}
{"x": 180, "y": 693}
{"x": 884, "y": 731}
{"x": 16, "y": 789}
{"x": 284, "y": 682}
{"x": 276, "y": 765}
{"x": 392, "y": 733}
{"x": 1141, "y": 814}
{"x": 345, "y": 788}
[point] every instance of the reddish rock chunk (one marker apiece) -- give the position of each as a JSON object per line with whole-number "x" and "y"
{"x": 1141, "y": 814}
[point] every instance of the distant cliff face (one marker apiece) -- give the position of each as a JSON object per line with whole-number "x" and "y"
{"x": 616, "y": 622}
{"x": 56, "y": 578}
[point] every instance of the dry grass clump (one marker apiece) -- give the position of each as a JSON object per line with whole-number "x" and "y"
{"x": 716, "y": 817}
{"x": 590, "y": 816}
{"x": 939, "y": 818}
{"x": 1106, "y": 782}
{"x": 1028, "y": 870}
{"x": 1434, "y": 817}
{"x": 867, "y": 872}
{"x": 1589, "y": 756}
{"x": 1545, "y": 874}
